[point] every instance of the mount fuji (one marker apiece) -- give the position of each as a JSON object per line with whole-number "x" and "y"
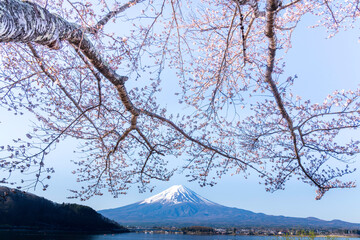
{"x": 180, "y": 206}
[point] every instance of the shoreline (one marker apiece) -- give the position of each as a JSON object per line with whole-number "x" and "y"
{"x": 65, "y": 231}
{"x": 164, "y": 232}
{"x": 79, "y": 232}
{"x": 330, "y": 236}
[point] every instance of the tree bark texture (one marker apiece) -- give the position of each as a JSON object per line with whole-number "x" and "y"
{"x": 28, "y": 22}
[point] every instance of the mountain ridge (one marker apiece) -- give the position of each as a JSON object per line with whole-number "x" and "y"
{"x": 180, "y": 206}
{"x": 21, "y": 210}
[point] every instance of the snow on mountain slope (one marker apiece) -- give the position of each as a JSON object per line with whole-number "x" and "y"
{"x": 177, "y": 194}
{"x": 180, "y": 206}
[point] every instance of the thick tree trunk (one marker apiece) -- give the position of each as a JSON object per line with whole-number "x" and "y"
{"x": 28, "y": 22}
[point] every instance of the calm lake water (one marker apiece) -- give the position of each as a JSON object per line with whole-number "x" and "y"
{"x": 130, "y": 236}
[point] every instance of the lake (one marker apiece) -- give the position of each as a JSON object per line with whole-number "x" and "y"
{"x": 130, "y": 236}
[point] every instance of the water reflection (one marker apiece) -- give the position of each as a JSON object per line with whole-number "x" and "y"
{"x": 22, "y": 235}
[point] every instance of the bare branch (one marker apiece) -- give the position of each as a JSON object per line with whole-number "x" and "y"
{"x": 112, "y": 14}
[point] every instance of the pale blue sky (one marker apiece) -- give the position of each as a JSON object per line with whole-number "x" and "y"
{"x": 322, "y": 67}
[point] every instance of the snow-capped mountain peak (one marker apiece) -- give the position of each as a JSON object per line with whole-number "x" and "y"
{"x": 179, "y": 206}
{"x": 177, "y": 194}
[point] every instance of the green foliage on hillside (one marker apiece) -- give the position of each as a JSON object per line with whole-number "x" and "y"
{"x": 19, "y": 209}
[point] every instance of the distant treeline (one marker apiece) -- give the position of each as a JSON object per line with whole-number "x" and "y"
{"x": 23, "y": 210}
{"x": 198, "y": 230}
{"x": 307, "y": 233}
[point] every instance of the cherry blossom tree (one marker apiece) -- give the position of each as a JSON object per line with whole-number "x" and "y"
{"x": 92, "y": 71}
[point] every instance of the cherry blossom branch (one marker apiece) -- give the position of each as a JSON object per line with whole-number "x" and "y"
{"x": 272, "y": 6}
{"x": 58, "y": 83}
{"x": 99, "y": 25}
{"x": 223, "y": 60}
{"x": 332, "y": 13}
{"x": 326, "y": 114}
{"x": 275, "y": 124}
{"x": 96, "y": 75}
{"x": 206, "y": 146}
{"x": 287, "y": 5}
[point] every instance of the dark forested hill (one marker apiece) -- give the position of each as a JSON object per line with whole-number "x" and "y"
{"x": 25, "y": 210}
